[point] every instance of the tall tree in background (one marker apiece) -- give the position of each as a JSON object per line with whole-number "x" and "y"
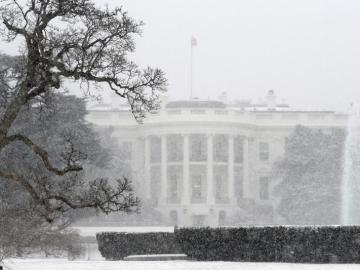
{"x": 67, "y": 39}
{"x": 310, "y": 175}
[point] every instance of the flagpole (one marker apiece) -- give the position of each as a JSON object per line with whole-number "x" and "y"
{"x": 193, "y": 43}
{"x": 191, "y": 69}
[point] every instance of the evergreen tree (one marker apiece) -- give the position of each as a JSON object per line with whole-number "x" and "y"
{"x": 310, "y": 174}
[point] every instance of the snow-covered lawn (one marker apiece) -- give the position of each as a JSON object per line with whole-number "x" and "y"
{"x": 54, "y": 264}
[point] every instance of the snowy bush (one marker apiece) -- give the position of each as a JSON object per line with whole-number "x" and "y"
{"x": 309, "y": 244}
{"x": 116, "y": 246}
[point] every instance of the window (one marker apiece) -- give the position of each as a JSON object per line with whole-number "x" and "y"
{"x": 221, "y": 147}
{"x": 155, "y": 149}
{"x": 221, "y": 184}
{"x": 198, "y": 147}
{"x": 264, "y": 151}
{"x": 174, "y": 175}
{"x": 198, "y": 183}
{"x": 238, "y": 150}
{"x": 174, "y": 148}
{"x": 264, "y": 188}
{"x": 196, "y": 188}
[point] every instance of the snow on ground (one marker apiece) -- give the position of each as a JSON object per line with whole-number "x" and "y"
{"x": 91, "y": 231}
{"x": 58, "y": 264}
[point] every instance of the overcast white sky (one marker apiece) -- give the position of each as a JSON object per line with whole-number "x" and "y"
{"x": 308, "y": 51}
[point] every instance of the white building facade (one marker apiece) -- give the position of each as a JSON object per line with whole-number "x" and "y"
{"x": 199, "y": 162}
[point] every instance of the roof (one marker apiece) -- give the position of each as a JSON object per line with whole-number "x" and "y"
{"x": 195, "y": 104}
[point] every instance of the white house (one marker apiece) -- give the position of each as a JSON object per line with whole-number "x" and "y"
{"x": 198, "y": 161}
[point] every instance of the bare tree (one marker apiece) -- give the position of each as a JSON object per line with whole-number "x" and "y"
{"x": 69, "y": 39}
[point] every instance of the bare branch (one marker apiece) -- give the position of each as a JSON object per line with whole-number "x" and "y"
{"x": 14, "y": 28}
{"x": 102, "y": 196}
{"x": 21, "y": 180}
{"x": 43, "y": 155}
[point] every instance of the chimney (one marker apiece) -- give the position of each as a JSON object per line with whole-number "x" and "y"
{"x": 271, "y": 100}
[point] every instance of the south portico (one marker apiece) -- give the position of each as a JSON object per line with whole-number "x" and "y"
{"x": 206, "y": 186}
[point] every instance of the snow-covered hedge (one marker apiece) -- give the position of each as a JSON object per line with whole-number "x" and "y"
{"x": 116, "y": 246}
{"x": 315, "y": 244}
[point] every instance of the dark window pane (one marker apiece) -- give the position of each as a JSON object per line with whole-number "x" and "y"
{"x": 196, "y": 187}
{"x": 174, "y": 183}
{"x": 198, "y": 147}
{"x": 198, "y": 183}
{"x": 221, "y": 184}
{"x": 174, "y": 148}
{"x": 221, "y": 147}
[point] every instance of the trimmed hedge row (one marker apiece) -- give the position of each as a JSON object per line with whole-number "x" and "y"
{"x": 322, "y": 244}
{"x": 116, "y": 246}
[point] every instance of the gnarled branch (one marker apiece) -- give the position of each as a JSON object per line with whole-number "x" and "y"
{"x": 43, "y": 155}
{"x": 101, "y": 195}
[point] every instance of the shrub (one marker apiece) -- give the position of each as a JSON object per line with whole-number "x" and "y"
{"x": 116, "y": 246}
{"x": 276, "y": 244}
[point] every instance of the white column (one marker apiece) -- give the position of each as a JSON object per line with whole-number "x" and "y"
{"x": 231, "y": 186}
{"x": 186, "y": 171}
{"x": 210, "y": 170}
{"x": 147, "y": 169}
{"x": 164, "y": 188}
{"x": 246, "y": 180}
